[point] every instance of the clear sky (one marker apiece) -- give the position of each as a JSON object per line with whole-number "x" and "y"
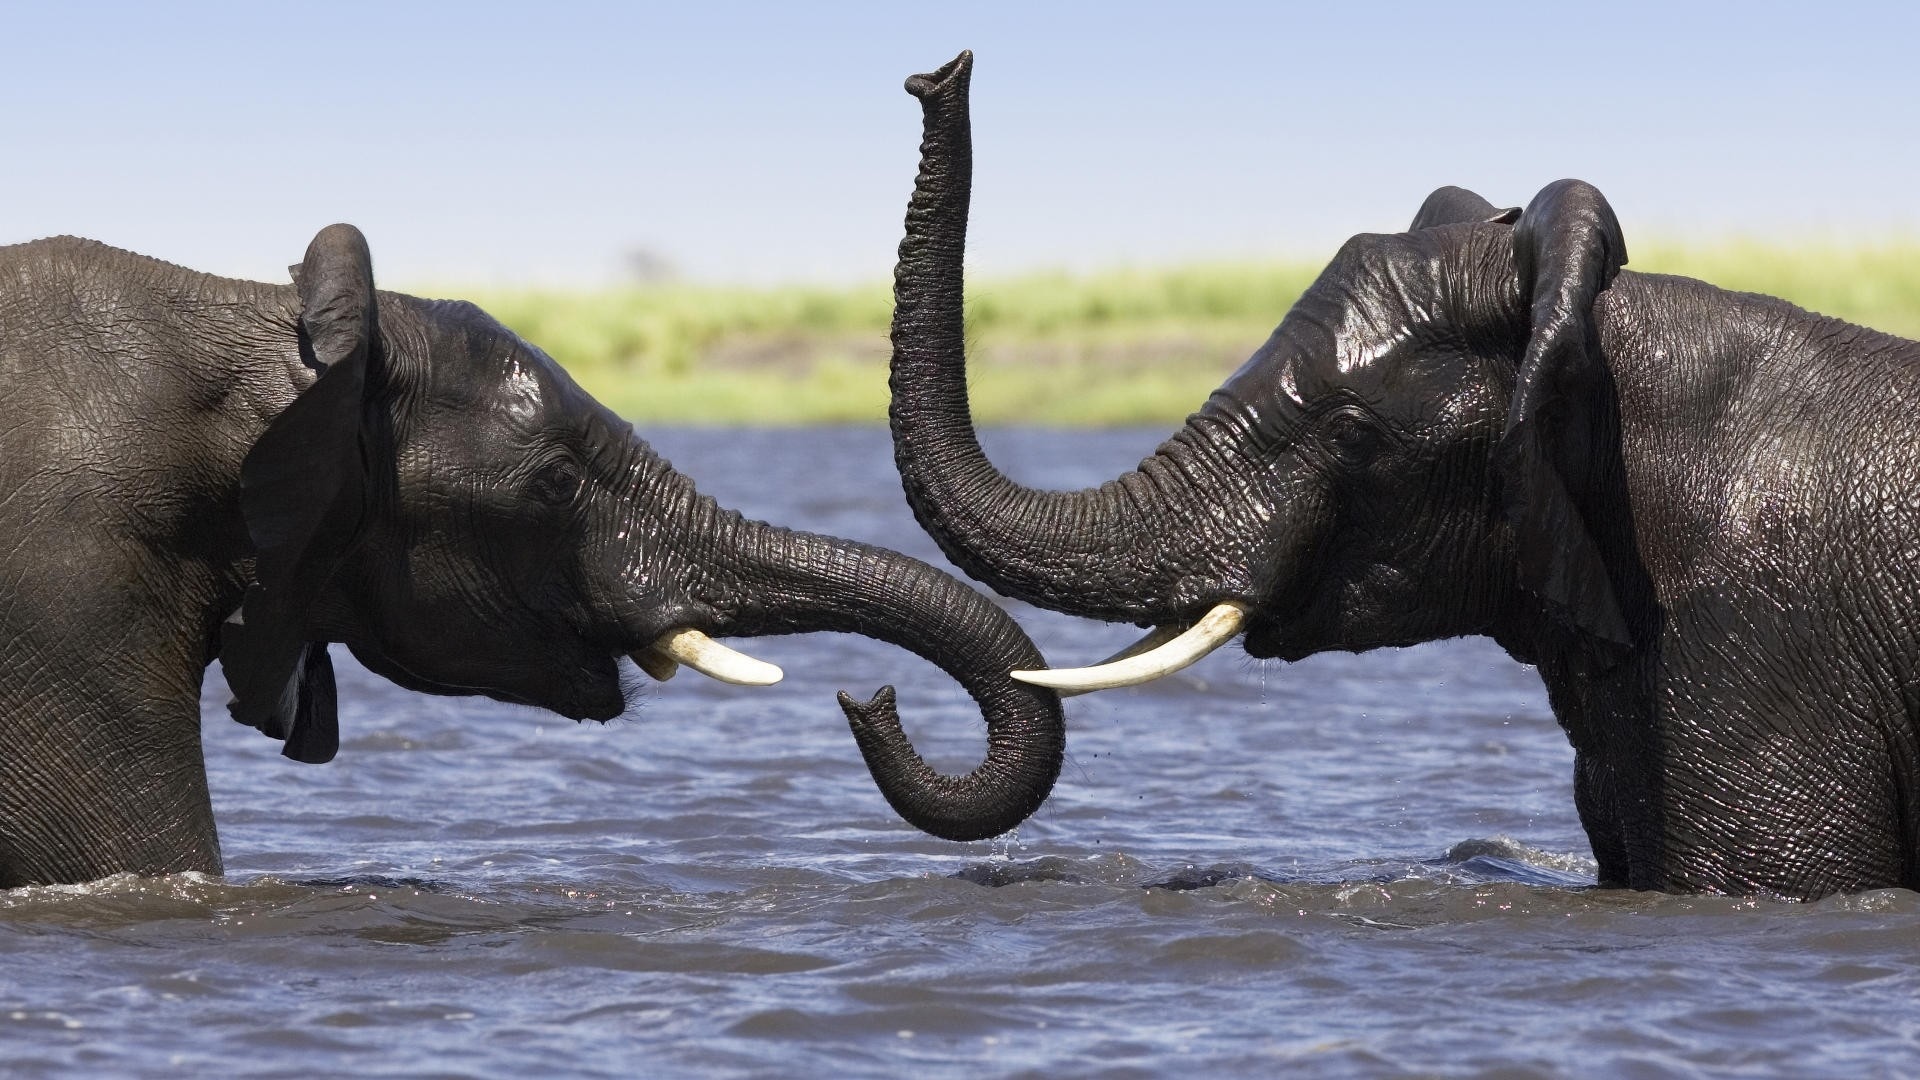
{"x": 540, "y": 141}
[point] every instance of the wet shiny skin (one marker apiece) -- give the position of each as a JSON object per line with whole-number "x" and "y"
{"x": 1364, "y": 865}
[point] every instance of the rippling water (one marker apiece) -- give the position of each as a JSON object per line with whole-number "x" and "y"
{"x": 1356, "y": 866}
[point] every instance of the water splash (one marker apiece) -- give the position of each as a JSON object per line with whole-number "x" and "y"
{"x": 1006, "y": 844}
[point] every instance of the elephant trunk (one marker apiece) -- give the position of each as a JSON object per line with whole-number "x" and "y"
{"x": 1116, "y": 552}
{"x": 787, "y": 582}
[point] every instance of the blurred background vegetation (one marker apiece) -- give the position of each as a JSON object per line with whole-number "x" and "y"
{"x": 1130, "y": 346}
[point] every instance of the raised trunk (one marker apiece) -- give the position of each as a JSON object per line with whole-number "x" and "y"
{"x": 802, "y": 582}
{"x": 1104, "y": 553}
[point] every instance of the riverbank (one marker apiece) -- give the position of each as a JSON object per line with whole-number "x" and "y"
{"x": 1136, "y": 346}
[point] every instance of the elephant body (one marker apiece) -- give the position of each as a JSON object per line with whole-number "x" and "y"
{"x": 1695, "y": 511}
{"x": 1761, "y": 735}
{"x": 195, "y": 468}
{"x": 124, "y": 544}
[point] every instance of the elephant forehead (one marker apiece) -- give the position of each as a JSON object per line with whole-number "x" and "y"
{"x": 513, "y": 381}
{"x": 521, "y": 391}
{"x": 479, "y": 364}
{"x": 1367, "y": 329}
{"x": 1364, "y": 356}
{"x": 1340, "y": 340}
{"x": 1371, "y": 307}
{"x": 1364, "y": 328}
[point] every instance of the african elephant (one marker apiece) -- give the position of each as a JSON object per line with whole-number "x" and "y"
{"x": 1696, "y": 511}
{"x": 195, "y": 467}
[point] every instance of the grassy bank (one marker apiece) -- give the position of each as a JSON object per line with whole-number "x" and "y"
{"x": 1127, "y": 346}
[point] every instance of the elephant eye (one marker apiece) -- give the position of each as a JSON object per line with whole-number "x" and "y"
{"x": 556, "y": 482}
{"x": 1352, "y": 436}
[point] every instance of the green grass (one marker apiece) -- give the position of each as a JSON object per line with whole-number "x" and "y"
{"x": 1875, "y": 285}
{"x": 1119, "y": 347}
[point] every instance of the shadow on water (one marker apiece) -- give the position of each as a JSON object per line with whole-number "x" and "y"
{"x": 1470, "y": 862}
{"x": 375, "y": 881}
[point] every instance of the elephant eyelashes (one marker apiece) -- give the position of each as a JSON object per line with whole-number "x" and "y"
{"x": 556, "y": 483}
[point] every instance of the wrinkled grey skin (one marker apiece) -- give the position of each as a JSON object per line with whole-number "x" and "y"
{"x": 1698, "y": 512}
{"x": 193, "y": 467}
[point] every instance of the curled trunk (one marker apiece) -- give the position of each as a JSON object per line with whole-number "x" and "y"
{"x": 1104, "y": 553}
{"x": 802, "y": 582}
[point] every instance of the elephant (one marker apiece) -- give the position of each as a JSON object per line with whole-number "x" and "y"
{"x": 196, "y": 468}
{"x": 1695, "y": 512}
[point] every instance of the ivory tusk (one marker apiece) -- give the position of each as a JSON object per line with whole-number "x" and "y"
{"x": 1162, "y": 652}
{"x": 1154, "y": 638}
{"x": 658, "y": 665}
{"x": 710, "y": 658}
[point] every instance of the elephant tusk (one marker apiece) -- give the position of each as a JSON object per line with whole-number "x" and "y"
{"x": 1162, "y": 652}
{"x": 658, "y": 665}
{"x": 708, "y": 657}
{"x": 1154, "y": 638}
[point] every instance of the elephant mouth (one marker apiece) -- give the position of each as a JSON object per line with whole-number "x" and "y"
{"x": 1298, "y": 623}
{"x": 585, "y": 687}
{"x": 684, "y": 646}
{"x": 1268, "y": 638}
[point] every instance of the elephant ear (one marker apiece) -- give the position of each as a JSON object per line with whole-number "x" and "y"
{"x": 1561, "y": 430}
{"x": 302, "y": 492}
{"x": 1458, "y": 206}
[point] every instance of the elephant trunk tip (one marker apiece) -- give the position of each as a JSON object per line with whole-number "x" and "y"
{"x": 935, "y": 82}
{"x": 1012, "y": 789}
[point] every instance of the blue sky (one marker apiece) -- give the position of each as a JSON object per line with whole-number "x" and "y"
{"x": 483, "y": 143}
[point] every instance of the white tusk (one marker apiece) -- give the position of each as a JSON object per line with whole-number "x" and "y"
{"x": 712, "y": 659}
{"x": 1154, "y": 638}
{"x": 1162, "y": 652}
{"x": 658, "y": 665}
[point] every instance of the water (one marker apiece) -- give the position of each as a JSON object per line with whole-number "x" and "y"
{"x": 1351, "y": 866}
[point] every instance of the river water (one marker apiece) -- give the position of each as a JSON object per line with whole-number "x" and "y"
{"x": 1349, "y": 866}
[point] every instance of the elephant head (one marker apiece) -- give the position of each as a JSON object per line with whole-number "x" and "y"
{"x": 445, "y": 501}
{"x": 1420, "y": 449}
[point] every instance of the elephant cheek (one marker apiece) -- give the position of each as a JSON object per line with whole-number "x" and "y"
{"x": 1287, "y": 565}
